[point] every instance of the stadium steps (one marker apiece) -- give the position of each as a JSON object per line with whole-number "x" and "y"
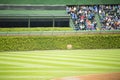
{"x": 98, "y": 21}
{"x": 72, "y": 24}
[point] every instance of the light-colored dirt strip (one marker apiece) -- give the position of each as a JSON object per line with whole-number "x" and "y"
{"x": 109, "y": 76}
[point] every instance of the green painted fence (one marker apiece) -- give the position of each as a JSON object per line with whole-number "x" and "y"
{"x": 60, "y": 2}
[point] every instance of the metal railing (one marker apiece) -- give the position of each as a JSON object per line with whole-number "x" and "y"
{"x": 52, "y": 33}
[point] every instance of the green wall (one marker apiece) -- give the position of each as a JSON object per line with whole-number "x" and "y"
{"x": 61, "y": 2}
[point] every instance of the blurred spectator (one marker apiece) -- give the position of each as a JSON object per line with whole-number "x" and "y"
{"x": 110, "y": 17}
{"x": 84, "y": 17}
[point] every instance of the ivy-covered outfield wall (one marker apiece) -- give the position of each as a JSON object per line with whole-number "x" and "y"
{"x": 20, "y": 43}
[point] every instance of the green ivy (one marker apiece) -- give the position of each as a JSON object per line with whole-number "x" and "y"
{"x": 21, "y": 43}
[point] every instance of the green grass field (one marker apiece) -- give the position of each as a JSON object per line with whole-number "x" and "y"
{"x": 47, "y": 64}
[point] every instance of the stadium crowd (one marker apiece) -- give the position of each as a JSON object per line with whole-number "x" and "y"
{"x": 84, "y": 17}
{"x": 109, "y": 17}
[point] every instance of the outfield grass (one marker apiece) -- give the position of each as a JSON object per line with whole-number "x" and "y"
{"x": 47, "y": 64}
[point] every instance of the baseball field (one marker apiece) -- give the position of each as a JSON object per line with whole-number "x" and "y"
{"x": 49, "y": 64}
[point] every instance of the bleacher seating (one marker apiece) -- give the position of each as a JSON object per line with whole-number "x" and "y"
{"x": 110, "y": 17}
{"x": 84, "y": 17}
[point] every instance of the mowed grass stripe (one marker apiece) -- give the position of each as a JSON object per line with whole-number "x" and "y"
{"x": 49, "y": 73}
{"x": 20, "y": 63}
{"x": 31, "y": 60}
{"x": 35, "y": 64}
{"x": 64, "y": 62}
{"x": 72, "y": 59}
{"x": 74, "y": 56}
{"x": 88, "y": 59}
{"x": 48, "y": 64}
{"x": 69, "y": 52}
{"x": 65, "y": 57}
{"x": 26, "y": 77}
{"x": 77, "y": 56}
{"x": 3, "y": 65}
{"x": 57, "y": 70}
